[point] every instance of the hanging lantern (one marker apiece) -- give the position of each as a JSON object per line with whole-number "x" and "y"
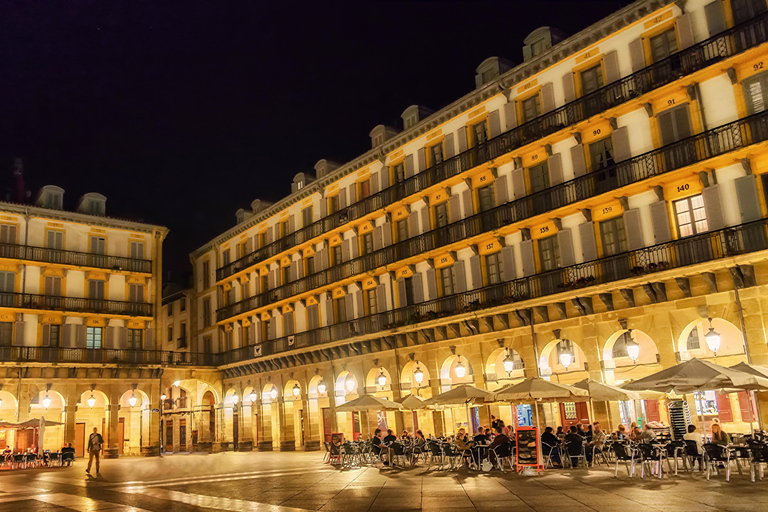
{"x": 350, "y": 383}
{"x": 1, "y": 402}
{"x": 713, "y": 339}
{"x": 163, "y": 397}
{"x": 461, "y": 370}
{"x": 47, "y": 401}
{"x": 234, "y": 398}
{"x": 566, "y": 355}
{"x": 91, "y": 401}
{"x": 296, "y": 390}
{"x": 132, "y": 400}
{"x": 382, "y": 378}
{"x": 321, "y": 387}
{"x": 633, "y": 348}
{"x": 509, "y": 363}
{"x": 253, "y": 396}
{"x": 418, "y": 375}
{"x": 273, "y": 393}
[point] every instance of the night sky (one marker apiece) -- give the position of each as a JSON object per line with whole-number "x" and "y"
{"x": 183, "y": 112}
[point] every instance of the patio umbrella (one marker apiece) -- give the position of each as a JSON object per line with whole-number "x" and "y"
{"x": 697, "y": 375}
{"x": 369, "y": 403}
{"x": 463, "y": 394}
{"x": 604, "y": 393}
{"x": 759, "y": 371}
{"x": 412, "y": 402}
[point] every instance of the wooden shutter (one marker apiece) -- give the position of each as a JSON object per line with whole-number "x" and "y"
{"x": 292, "y": 223}
{"x": 377, "y": 238}
{"x": 578, "y": 161}
{"x": 588, "y": 244}
{"x": 323, "y": 208}
{"x": 466, "y": 198}
{"x": 431, "y": 284}
{"x": 715, "y": 17}
{"x": 346, "y": 250}
{"x": 633, "y": 229}
{"x": 322, "y": 258}
{"x": 747, "y": 197}
{"x": 80, "y": 333}
{"x": 526, "y": 255}
{"x": 375, "y": 186}
{"x": 510, "y": 115}
{"x": 67, "y": 335}
{"x": 547, "y": 98}
{"x": 611, "y": 67}
{"x": 555, "y": 166}
{"x": 518, "y": 183}
{"x": 620, "y": 142}
{"x": 272, "y": 329}
{"x": 425, "y": 224}
{"x": 418, "y": 288}
{"x": 271, "y": 280}
{"x": 149, "y": 339}
{"x": 18, "y": 334}
{"x": 637, "y": 54}
{"x": 652, "y": 410}
{"x": 724, "y": 407}
{"x": 565, "y": 242}
{"x": 508, "y": 272}
{"x": 413, "y": 224}
{"x": 328, "y": 311}
{"x": 384, "y": 178}
{"x": 360, "y": 306}
{"x": 402, "y": 296}
{"x": 421, "y": 156}
{"x": 408, "y": 165}
{"x": 500, "y": 186}
{"x": 381, "y": 298}
{"x": 46, "y": 341}
{"x": 660, "y": 221}
{"x": 448, "y": 146}
{"x": 294, "y": 270}
{"x": 461, "y": 136}
{"x": 712, "y": 206}
{"x": 121, "y": 337}
{"x": 569, "y": 87}
{"x": 386, "y": 234}
{"x": 342, "y": 199}
{"x": 476, "y": 272}
{"x": 454, "y": 206}
{"x": 352, "y": 193}
{"x": 494, "y": 124}
{"x": 109, "y": 339}
{"x": 270, "y": 236}
{"x": 685, "y": 31}
{"x": 459, "y": 272}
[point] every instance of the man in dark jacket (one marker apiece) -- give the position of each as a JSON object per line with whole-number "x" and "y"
{"x": 95, "y": 445}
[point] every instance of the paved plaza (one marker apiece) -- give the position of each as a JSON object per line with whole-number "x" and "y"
{"x": 283, "y": 482}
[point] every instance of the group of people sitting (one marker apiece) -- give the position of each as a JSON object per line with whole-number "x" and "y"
{"x": 67, "y": 454}
{"x": 382, "y": 445}
{"x": 591, "y": 437}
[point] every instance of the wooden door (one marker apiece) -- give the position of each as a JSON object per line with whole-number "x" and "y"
{"x": 327, "y": 424}
{"x": 120, "y": 435}
{"x": 355, "y": 425}
{"x": 652, "y": 410}
{"x": 169, "y": 436}
{"x": 235, "y": 429}
{"x": 301, "y": 425}
{"x": 574, "y": 413}
{"x": 183, "y": 435}
{"x": 79, "y": 439}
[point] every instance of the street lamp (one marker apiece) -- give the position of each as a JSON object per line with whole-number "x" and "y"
{"x": 273, "y": 393}
{"x": 47, "y": 401}
{"x": 509, "y": 363}
{"x": 633, "y": 347}
{"x": 321, "y": 387}
{"x": 566, "y": 355}
{"x": 350, "y": 384}
{"x": 91, "y": 401}
{"x": 418, "y": 375}
{"x": 132, "y": 400}
{"x": 713, "y": 339}
{"x": 382, "y": 378}
{"x": 234, "y": 398}
{"x": 296, "y": 390}
{"x": 461, "y": 370}
{"x": 253, "y": 396}
{"x": 163, "y": 397}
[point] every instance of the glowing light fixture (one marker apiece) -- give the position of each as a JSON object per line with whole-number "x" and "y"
{"x": 253, "y": 396}
{"x": 163, "y": 397}
{"x": 132, "y": 400}
{"x": 273, "y": 393}
{"x": 177, "y": 383}
{"x": 1, "y": 402}
{"x": 509, "y": 363}
{"x": 382, "y": 378}
{"x": 350, "y": 384}
{"x": 566, "y": 355}
{"x": 91, "y": 401}
{"x": 418, "y": 375}
{"x": 47, "y": 401}
{"x": 713, "y": 339}
{"x": 633, "y": 347}
{"x": 321, "y": 387}
{"x": 234, "y": 398}
{"x": 296, "y": 390}
{"x": 461, "y": 370}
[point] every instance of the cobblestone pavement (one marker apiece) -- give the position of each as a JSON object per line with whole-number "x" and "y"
{"x": 284, "y": 482}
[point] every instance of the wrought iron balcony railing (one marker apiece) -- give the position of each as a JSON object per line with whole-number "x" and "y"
{"x": 74, "y": 304}
{"x": 696, "y": 148}
{"x": 694, "y": 58}
{"x": 105, "y": 356}
{"x": 642, "y": 263}
{"x": 74, "y": 258}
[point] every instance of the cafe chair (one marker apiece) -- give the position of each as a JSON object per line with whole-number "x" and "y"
{"x": 676, "y": 451}
{"x": 435, "y": 452}
{"x": 624, "y": 454}
{"x": 715, "y": 454}
{"x": 599, "y": 453}
{"x": 503, "y": 454}
{"x": 549, "y": 450}
{"x": 649, "y": 454}
{"x": 453, "y": 456}
{"x": 692, "y": 454}
{"x": 758, "y": 457}
{"x": 67, "y": 457}
{"x": 397, "y": 451}
{"x": 327, "y": 456}
{"x": 19, "y": 461}
{"x": 575, "y": 450}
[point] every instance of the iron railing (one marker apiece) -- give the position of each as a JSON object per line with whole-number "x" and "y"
{"x": 79, "y": 259}
{"x": 696, "y": 148}
{"x": 74, "y": 304}
{"x": 105, "y": 356}
{"x": 728, "y": 242}
{"x": 694, "y": 58}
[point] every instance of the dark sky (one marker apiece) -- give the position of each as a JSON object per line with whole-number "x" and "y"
{"x": 183, "y": 112}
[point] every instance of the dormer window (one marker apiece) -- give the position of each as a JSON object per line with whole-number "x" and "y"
{"x": 538, "y": 47}
{"x": 51, "y": 196}
{"x": 92, "y": 204}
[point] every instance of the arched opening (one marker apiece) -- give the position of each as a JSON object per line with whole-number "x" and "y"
{"x": 350, "y": 423}
{"x": 503, "y": 367}
{"x": 133, "y": 422}
{"x": 207, "y": 427}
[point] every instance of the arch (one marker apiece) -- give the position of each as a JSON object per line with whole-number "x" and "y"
{"x": 229, "y": 397}
{"x": 407, "y": 374}
{"x": 288, "y": 389}
{"x": 372, "y": 379}
{"x": 247, "y": 395}
{"x": 613, "y": 348}
{"x": 494, "y": 364}
{"x": 267, "y": 392}
{"x": 8, "y": 401}
{"x": 208, "y": 398}
{"x": 314, "y": 382}
{"x": 731, "y": 338}
{"x": 342, "y": 387}
{"x": 142, "y": 400}
{"x": 448, "y": 370}
{"x": 101, "y": 400}
{"x": 549, "y": 357}
{"x": 207, "y": 388}
{"x": 57, "y": 399}
{"x": 181, "y": 393}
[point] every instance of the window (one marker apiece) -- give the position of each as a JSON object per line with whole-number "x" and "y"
{"x": 447, "y": 281}
{"x": 7, "y": 234}
{"x": 531, "y": 108}
{"x": 226, "y": 257}
{"x": 613, "y": 236}
{"x": 7, "y": 282}
{"x": 183, "y": 334}
{"x": 284, "y": 228}
{"x": 368, "y": 243}
{"x": 264, "y": 283}
{"x": 98, "y": 245}
{"x": 492, "y": 269}
{"x": 333, "y": 204}
{"x": 93, "y": 337}
{"x": 206, "y": 275}
{"x": 340, "y": 310}
{"x": 242, "y": 250}
{"x": 539, "y": 177}
{"x": 620, "y": 347}
{"x": 402, "y": 230}
{"x": 399, "y": 172}
{"x": 591, "y": 79}
{"x": 691, "y": 216}
{"x": 601, "y": 154}
{"x": 674, "y": 124}
{"x": 313, "y": 320}
{"x": 286, "y": 272}
{"x": 183, "y": 304}
{"x": 479, "y": 134}
{"x": 207, "y": 344}
{"x": 310, "y": 261}
{"x": 663, "y": 45}
{"x": 170, "y": 333}
{"x": 744, "y": 10}
{"x": 55, "y": 240}
{"x": 53, "y": 286}
{"x": 262, "y": 239}
{"x": 693, "y": 342}
{"x": 756, "y": 92}
{"x": 371, "y": 299}
{"x": 538, "y": 47}
{"x": 54, "y": 335}
{"x": 245, "y": 290}
{"x": 336, "y": 252}
{"x": 307, "y": 216}
{"x": 549, "y": 255}
{"x": 288, "y": 324}
{"x": 170, "y": 309}
{"x": 136, "y": 293}
{"x": 134, "y": 338}
{"x": 137, "y": 250}
{"x": 441, "y": 215}
{"x": 365, "y": 189}
{"x": 408, "y": 292}
{"x": 485, "y": 198}
{"x": 6, "y": 334}
{"x": 436, "y": 152}
{"x": 95, "y": 289}
{"x": 207, "y": 312}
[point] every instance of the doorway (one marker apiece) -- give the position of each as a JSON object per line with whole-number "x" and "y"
{"x": 79, "y": 439}
{"x": 182, "y": 435}
{"x": 169, "y": 436}
{"x": 120, "y": 435}
{"x": 235, "y": 429}
{"x": 574, "y": 413}
{"x": 301, "y": 425}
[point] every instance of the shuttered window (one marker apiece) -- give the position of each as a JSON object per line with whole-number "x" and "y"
{"x": 98, "y": 245}
{"x": 663, "y": 45}
{"x": 549, "y": 255}
{"x": 6, "y": 334}
{"x": 226, "y": 257}
{"x": 136, "y": 292}
{"x": 336, "y": 253}
{"x": 54, "y": 335}
{"x": 245, "y": 291}
{"x": 95, "y": 289}
{"x": 539, "y": 176}
{"x": 436, "y": 152}
{"x": 674, "y": 124}
{"x": 691, "y": 216}
{"x": 93, "y": 337}
{"x": 206, "y": 275}
{"x": 286, "y": 274}
{"x": 370, "y": 296}
{"x": 333, "y": 204}
{"x": 446, "y": 280}
{"x": 613, "y": 236}
{"x": 170, "y": 333}
{"x": 368, "y": 243}
{"x": 7, "y": 234}
{"x": 399, "y": 172}
{"x": 288, "y": 327}
{"x": 340, "y": 310}
{"x": 365, "y": 189}
{"x": 402, "y": 230}
{"x": 137, "y": 250}
{"x": 134, "y": 338}
{"x": 310, "y": 260}
{"x": 479, "y": 134}
{"x": 313, "y": 322}
{"x": 441, "y": 215}
{"x": 7, "y": 282}
{"x": 206, "y": 312}
{"x": 591, "y": 79}
{"x": 744, "y": 10}
{"x": 601, "y": 154}
{"x": 531, "y": 108}
{"x": 756, "y": 92}
{"x": 492, "y": 268}
{"x": 53, "y": 286}
{"x": 485, "y": 197}
{"x": 55, "y": 240}
{"x": 307, "y": 215}
{"x": 408, "y": 285}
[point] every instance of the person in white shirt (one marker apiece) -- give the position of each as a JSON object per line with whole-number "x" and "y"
{"x": 692, "y": 435}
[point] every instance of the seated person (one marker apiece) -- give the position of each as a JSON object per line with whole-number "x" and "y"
{"x": 720, "y": 437}
{"x": 560, "y": 432}
{"x": 597, "y": 442}
{"x": 647, "y": 435}
{"x": 549, "y": 441}
{"x": 620, "y": 434}
{"x": 67, "y": 454}
{"x": 481, "y": 437}
{"x": 390, "y": 437}
{"x": 692, "y": 435}
{"x": 464, "y": 445}
{"x": 574, "y": 438}
{"x": 499, "y": 441}
{"x": 376, "y": 442}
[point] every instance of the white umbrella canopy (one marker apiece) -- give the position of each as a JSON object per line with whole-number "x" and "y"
{"x": 541, "y": 390}
{"x": 697, "y": 375}
{"x": 605, "y": 392}
{"x": 759, "y": 371}
{"x": 412, "y": 402}
{"x": 369, "y": 403}
{"x": 460, "y": 395}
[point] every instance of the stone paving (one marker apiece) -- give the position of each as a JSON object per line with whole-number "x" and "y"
{"x": 285, "y": 482}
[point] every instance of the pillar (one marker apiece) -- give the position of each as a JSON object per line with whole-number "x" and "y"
{"x": 286, "y": 423}
{"x": 265, "y": 428}
{"x": 202, "y": 416}
{"x": 245, "y": 429}
{"x": 69, "y": 423}
{"x": 112, "y": 450}
{"x": 312, "y": 420}
{"x": 151, "y": 439}
{"x": 437, "y": 416}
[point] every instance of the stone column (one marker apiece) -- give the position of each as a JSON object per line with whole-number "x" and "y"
{"x": 286, "y": 422}
{"x": 203, "y": 423}
{"x": 112, "y": 450}
{"x": 151, "y": 438}
{"x": 69, "y": 423}
{"x": 245, "y": 428}
{"x": 265, "y": 428}
{"x": 312, "y": 419}
{"x": 437, "y": 416}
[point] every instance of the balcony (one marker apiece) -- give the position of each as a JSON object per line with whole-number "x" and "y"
{"x": 74, "y": 258}
{"x": 694, "y": 58}
{"x": 697, "y": 148}
{"x": 714, "y": 245}
{"x": 73, "y": 304}
{"x": 104, "y": 356}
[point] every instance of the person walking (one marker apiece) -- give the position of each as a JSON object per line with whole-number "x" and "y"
{"x": 95, "y": 444}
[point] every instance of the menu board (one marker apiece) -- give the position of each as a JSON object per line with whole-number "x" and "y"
{"x": 527, "y": 442}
